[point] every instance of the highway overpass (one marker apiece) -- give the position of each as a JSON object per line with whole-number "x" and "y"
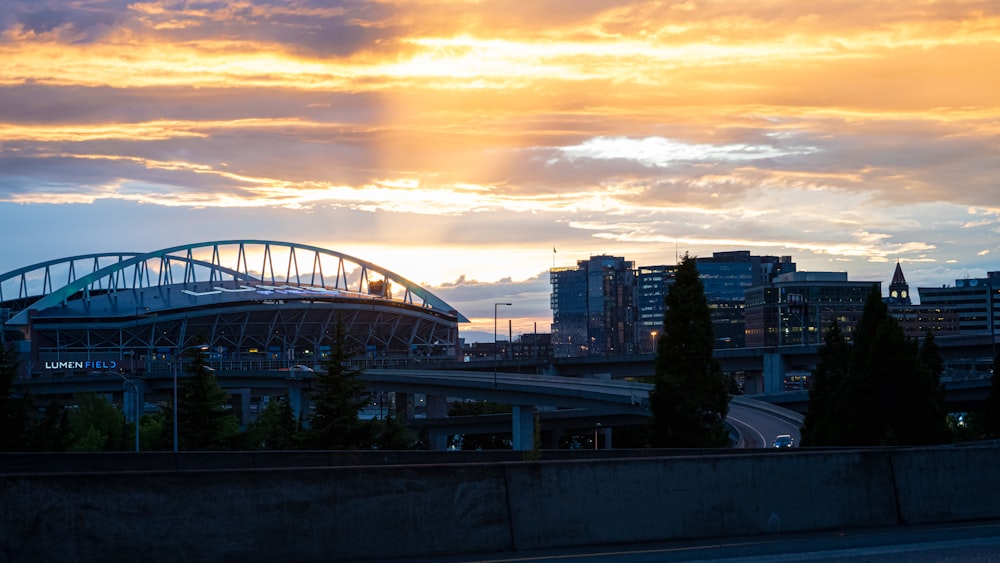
{"x": 560, "y": 402}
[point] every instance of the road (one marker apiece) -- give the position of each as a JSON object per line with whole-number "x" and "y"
{"x": 759, "y": 427}
{"x": 969, "y": 542}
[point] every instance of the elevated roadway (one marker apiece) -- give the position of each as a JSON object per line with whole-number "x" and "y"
{"x": 560, "y": 402}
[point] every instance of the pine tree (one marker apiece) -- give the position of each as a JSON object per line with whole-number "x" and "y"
{"x": 203, "y": 422}
{"x": 15, "y": 419}
{"x": 834, "y": 359}
{"x": 337, "y": 398}
{"x": 394, "y": 435}
{"x": 689, "y": 401}
{"x": 277, "y": 428}
{"x": 888, "y": 396}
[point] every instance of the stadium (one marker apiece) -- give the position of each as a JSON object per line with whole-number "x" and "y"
{"x": 251, "y": 304}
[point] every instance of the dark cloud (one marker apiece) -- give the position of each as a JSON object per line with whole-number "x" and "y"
{"x": 69, "y": 22}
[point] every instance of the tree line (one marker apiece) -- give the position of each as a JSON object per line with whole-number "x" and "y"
{"x": 204, "y": 422}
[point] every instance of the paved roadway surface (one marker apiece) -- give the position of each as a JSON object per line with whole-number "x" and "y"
{"x": 758, "y": 428}
{"x": 949, "y": 543}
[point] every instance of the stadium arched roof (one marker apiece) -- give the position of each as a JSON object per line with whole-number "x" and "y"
{"x": 260, "y": 267}
{"x": 279, "y": 301}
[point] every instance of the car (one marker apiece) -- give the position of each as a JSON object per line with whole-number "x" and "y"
{"x": 300, "y": 368}
{"x": 783, "y": 441}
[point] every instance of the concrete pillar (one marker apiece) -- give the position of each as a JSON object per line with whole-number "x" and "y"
{"x": 298, "y": 399}
{"x": 404, "y": 406}
{"x": 134, "y": 399}
{"x": 604, "y": 439}
{"x": 774, "y": 372}
{"x": 241, "y": 406}
{"x": 523, "y": 427}
{"x": 437, "y": 407}
{"x": 438, "y": 440}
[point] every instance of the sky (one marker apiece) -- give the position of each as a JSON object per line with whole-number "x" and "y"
{"x": 472, "y": 145}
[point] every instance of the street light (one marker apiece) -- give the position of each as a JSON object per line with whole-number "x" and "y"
{"x": 180, "y": 352}
{"x": 495, "y": 305}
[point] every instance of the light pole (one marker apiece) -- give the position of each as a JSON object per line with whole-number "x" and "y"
{"x": 495, "y": 305}
{"x": 180, "y": 352}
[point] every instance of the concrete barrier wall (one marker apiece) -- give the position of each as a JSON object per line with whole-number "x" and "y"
{"x": 257, "y": 515}
{"x": 370, "y": 512}
{"x": 947, "y": 485}
{"x": 629, "y": 501}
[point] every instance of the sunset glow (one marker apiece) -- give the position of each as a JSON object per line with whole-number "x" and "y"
{"x": 471, "y": 146}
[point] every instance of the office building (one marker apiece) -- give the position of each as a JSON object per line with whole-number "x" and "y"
{"x": 653, "y": 283}
{"x": 973, "y": 300}
{"x": 593, "y": 308}
{"x": 798, "y": 307}
{"x": 726, "y": 277}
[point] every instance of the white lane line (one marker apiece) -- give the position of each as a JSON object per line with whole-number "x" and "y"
{"x": 762, "y": 439}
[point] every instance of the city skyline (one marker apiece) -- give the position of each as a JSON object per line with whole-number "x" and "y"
{"x": 470, "y": 147}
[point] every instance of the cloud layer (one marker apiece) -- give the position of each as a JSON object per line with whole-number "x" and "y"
{"x": 451, "y": 140}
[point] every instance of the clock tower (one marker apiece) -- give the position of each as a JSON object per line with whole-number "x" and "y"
{"x": 899, "y": 290}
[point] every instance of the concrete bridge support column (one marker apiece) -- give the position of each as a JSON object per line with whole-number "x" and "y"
{"x": 404, "y": 406}
{"x": 437, "y": 440}
{"x": 523, "y": 431}
{"x": 242, "y": 406}
{"x": 604, "y": 439}
{"x": 437, "y": 407}
{"x": 298, "y": 399}
{"x": 134, "y": 399}
{"x": 774, "y": 372}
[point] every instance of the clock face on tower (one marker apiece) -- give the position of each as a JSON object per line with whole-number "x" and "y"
{"x": 893, "y": 294}
{"x": 903, "y": 294}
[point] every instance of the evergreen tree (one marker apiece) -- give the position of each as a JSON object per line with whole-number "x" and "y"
{"x": 15, "y": 409}
{"x": 889, "y": 395}
{"x": 394, "y": 435}
{"x": 276, "y": 428}
{"x": 51, "y": 433}
{"x": 689, "y": 401}
{"x": 338, "y": 397}
{"x": 834, "y": 359}
{"x": 204, "y": 423}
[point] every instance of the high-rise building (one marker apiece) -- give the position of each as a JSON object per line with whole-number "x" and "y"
{"x": 798, "y": 307}
{"x": 606, "y": 306}
{"x": 974, "y": 300}
{"x": 726, "y": 277}
{"x": 653, "y": 283}
{"x": 593, "y": 308}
